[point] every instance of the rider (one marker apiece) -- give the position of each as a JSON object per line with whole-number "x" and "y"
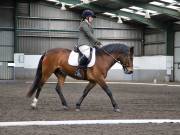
{"x": 86, "y": 40}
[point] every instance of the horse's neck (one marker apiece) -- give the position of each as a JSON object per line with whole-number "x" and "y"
{"x": 110, "y": 60}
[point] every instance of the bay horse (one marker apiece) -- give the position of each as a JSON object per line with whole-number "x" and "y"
{"x": 56, "y": 61}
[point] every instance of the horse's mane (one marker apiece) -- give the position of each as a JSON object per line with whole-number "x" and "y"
{"x": 113, "y": 48}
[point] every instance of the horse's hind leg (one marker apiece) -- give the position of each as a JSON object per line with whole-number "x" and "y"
{"x": 104, "y": 86}
{"x": 85, "y": 92}
{"x": 61, "y": 79}
{"x": 40, "y": 85}
{"x": 35, "y": 100}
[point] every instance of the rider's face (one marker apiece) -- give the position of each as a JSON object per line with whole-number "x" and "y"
{"x": 90, "y": 19}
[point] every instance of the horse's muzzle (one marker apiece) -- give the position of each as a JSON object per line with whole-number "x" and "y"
{"x": 127, "y": 71}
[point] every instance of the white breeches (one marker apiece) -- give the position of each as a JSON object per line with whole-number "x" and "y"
{"x": 85, "y": 49}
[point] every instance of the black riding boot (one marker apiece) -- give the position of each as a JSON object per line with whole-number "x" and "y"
{"x": 83, "y": 61}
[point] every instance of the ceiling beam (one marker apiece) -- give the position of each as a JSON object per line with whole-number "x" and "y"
{"x": 141, "y": 19}
{"x": 138, "y": 18}
{"x": 159, "y": 9}
{"x": 71, "y": 1}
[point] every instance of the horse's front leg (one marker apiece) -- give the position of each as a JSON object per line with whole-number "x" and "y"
{"x": 63, "y": 100}
{"x": 85, "y": 92}
{"x": 104, "y": 86}
{"x": 61, "y": 79}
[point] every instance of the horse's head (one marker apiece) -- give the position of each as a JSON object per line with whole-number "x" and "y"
{"x": 127, "y": 61}
{"x": 119, "y": 53}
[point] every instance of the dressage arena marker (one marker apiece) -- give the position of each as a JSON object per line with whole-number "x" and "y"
{"x": 88, "y": 122}
{"x": 131, "y": 83}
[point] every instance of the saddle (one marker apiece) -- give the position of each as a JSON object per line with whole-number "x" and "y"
{"x": 73, "y": 59}
{"x": 83, "y": 60}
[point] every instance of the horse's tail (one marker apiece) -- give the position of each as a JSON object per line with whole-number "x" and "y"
{"x": 37, "y": 79}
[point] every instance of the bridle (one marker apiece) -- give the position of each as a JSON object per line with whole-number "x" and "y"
{"x": 123, "y": 65}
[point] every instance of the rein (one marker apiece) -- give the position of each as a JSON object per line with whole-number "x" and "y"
{"x": 112, "y": 56}
{"x": 124, "y": 66}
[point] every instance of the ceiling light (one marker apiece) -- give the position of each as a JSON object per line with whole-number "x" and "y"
{"x": 56, "y": 1}
{"x": 147, "y": 15}
{"x": 140, "y": 13}
{"x": 110, "y": 14}
{"x": 173, "y": 7}
{"x": 127, "y": 10}
{"x": 119, "y": 20}
{"x": 113, "y": 15}
{"x": 85, "y": 1}
{"x": 125, "y": 18}
{"x": 136, "y": 8}
{"x": 63, "y": 6}
{"x": 168, "y": 1}
{"x": 157, "y": 3}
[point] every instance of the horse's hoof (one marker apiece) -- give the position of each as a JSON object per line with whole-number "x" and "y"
{"x": 66, "y": 108}
{"x": 117, "y": 110}
{"x": 77, "y": 110}
{"x": 33, "y": 107}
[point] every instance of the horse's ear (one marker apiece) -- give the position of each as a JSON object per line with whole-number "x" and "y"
{"x": 132, "y": 50}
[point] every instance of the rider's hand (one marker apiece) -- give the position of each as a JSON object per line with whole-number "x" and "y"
{"x": 75, "y": 49}
{"x": 98, "y": 44}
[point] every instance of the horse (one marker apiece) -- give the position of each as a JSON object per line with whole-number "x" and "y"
{"x": 55, "y": 61}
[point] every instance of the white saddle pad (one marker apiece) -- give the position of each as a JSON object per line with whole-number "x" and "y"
{"x": 73, "y": 58}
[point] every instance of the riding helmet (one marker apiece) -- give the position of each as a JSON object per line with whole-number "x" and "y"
{"x": 88, "y": 13}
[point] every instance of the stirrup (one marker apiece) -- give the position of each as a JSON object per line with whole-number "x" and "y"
{"x": 78, "y": 73}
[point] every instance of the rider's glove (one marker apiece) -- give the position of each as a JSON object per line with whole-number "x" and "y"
{"x": 98, "y": 44}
